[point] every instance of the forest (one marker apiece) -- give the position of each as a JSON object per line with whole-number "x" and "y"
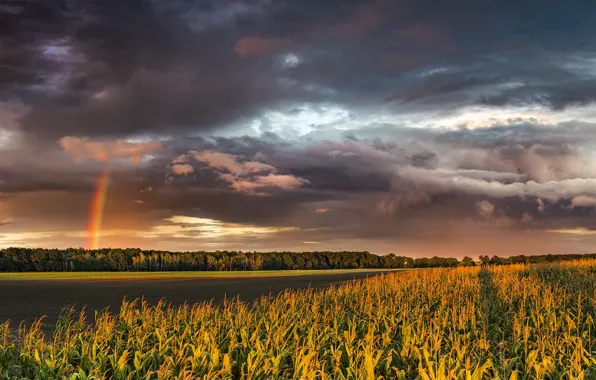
{"x": 134, "y": 259}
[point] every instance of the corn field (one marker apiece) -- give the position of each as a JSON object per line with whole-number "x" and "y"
{"x": 508, "y": 322}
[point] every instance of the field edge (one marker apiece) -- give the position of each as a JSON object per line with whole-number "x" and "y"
{"x": 173, "y": 275}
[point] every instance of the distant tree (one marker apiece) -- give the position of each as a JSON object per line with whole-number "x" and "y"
{"x": 496, "y": 260}
{"x": 109, "y": 259}
{"x": 467, "y": 262}
{"x": 519, "y": 259}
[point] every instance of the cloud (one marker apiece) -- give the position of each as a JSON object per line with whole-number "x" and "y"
{"x": 280, "y": 181}
{"x": 10, "y": 114}
{"x": 412, "y": 173}
{"x": 250, "y": 46}
{"x": 205, "y": 228}
{"x": 422, "y": 168}
{"x": 6, "y": 222}
{"x": 250, "y": 185}
{"x": 541, "y": 205}
{"x": 488, "y": 104}
{"x": 425, "y": 34}
{"x": 502, "y": 81}
{"x": 361, "y": 19}
{"x": 230, "y": 163}
{"x": 213, "y": 15}
{"x": 485, "y": 209}
{"x": 526, "y": 218}
{"x": 182, "y": 169}
{"x": 494, "y": 218}
{"x": 401, "y": 200}
{"x": 242, "y": 176}
{"x": 567, "y": 92}
{"x": 83, "y": 148}
{"x": 583, "y": 201}
{"x": 105, "y": 79}
{"x": 149, "y": 99}
{"x": 436, "y": 182}
{"x": 574, "y": 231}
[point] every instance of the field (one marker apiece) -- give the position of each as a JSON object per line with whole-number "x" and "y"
{"x": 169, "y": 275}
{"x": 508, "y": 322}
{"x": 27, "y": 296}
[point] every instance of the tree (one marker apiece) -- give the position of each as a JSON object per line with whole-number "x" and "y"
{"x": 496, "y": 260}
{"x": 108, "y": 259}
{"x": 467, "y": 262}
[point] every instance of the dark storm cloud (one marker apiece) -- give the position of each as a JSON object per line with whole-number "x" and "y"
{"x": 500, "y": 157}
{"x": 522, "y": 134}
{"x": 123, "y": 68}
{"x": 99, "y": 71}
{"x": 368, "y": 184}
{"x": 540, "y": 79}
{"x": 557, "y": 96}
{"x": 499, "y": 161}
{"x": 119, "y": 68}
{"x": 227, "y": 206}
{"x": 496, "y": 161}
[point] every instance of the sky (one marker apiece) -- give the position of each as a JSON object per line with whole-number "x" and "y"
{"x": 418, "y": 127}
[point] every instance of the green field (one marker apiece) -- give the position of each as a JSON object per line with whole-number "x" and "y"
{"x": 175, "y": 275}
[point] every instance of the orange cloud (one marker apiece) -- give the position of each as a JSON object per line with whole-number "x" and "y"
{"x": 5, "y": 222}
{"x": 249, "y": 185}
{"x": 242, "y": 176}
{"x": 249, "y": 46}
{"x": 83, "y": 147}
{"x": 322, "y": 210}
{"x": 230, "y": 163}
{"x": 182, "y": 169}
{"x": 281, "y": 181}
{"x": 485, "y": 209}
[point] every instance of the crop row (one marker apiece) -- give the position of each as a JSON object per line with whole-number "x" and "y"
{"x": 509, "y": 322}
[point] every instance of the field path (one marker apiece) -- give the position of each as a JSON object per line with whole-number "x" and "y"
{"x": 26, "y": 300}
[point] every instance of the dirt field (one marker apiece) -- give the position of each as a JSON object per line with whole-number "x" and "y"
{"x": 29, "y": 299}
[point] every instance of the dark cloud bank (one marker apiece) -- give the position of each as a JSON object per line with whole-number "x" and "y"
{"x": 400, "y": 126}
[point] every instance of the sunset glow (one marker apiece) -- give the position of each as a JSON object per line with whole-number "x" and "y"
{"x": 245, "y": 126}
{"x": 179, "y": 171}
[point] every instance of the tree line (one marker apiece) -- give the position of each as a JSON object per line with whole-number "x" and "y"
{"x": 134, "y": 259}
{"x": 534, "y": 259}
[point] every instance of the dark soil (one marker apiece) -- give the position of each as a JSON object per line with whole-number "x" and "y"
{"x": 27, "y": 300}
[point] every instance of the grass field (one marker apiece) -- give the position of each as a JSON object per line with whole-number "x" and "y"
{"x": 49, "y": 276}
{"x": 510, "y": 322}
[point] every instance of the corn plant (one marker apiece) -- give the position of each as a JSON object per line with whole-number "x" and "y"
{"x": 509, "y": 322}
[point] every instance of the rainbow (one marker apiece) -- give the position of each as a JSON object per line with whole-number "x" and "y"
{"x": 96, "y": 209}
